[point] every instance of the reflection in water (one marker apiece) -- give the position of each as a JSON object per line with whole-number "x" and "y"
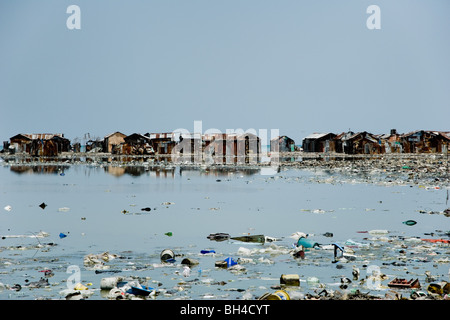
{"x": 45, "y": 169}
{"x": 138, "y": 170}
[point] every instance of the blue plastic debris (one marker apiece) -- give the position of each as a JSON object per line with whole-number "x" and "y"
{"x": 62, "y": 235}
{"x": 207, "y": 251}
{"x": 230, "y": 262}
{"x": 306, "y": 243}
{"x": 143, "y": 291}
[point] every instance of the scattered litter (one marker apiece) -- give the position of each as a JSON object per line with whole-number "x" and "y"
{"x": 307, "y": 243}
{"x": 403, "y": 283}
{"x": 290, "y": 279}
{"x": 189, "y": 261}
{"x": 207, "y": 251}
{"x": 8, "y": 208}
{"x": 218, "y": 236}
{"x": 277, "y": 295}
{"x": 409, "y": 222}
{"x": 167, "y": 255}
{"x": 250, "y": 238}
{"x": 64, "y": 209}
{"x": 97, "y": 261}
{"x": 378, "y": 232}
{"x": 229, "y": 262}
{"x": 43, "y": 205}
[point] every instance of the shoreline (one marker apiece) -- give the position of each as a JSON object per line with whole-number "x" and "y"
{"x": 396, "y": 168}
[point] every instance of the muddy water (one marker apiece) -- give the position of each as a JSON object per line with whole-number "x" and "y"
{"x": 98, "y": 209}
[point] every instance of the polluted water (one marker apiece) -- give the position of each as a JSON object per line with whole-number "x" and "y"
{"x": 176, "y": 232}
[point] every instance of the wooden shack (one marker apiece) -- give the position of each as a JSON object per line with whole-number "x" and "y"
{"x": 40, "y": 144}
{"x": 363, "y": 143}
{"x": 282, "y": 144}
{"x": 317, "y": 142}
{"x": 162, "y": 143}
{"x": 111, "y": 141}
{"x": 136, "y": 144}
{"x": 423, "y": 141}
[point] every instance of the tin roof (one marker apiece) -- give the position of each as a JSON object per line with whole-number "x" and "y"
{"x": 317, "y": 135}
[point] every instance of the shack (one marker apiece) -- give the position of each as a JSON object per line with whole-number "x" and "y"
{"x": 363, "y": 143}
{"x": 339, "y": 143}
{"x": 40, "y": 144}
{"x": 391, "y": 142}
{"x": 422, "y": 141}
{"x": 282, "y": 144}
{"x": 112, "y": 141}
{"x": 136, "y": 144}
{"x": 162, "y": 143}
{"x": 317, "y": 142}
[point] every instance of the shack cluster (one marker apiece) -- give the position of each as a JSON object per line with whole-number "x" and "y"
{"x": 420, "y": 141}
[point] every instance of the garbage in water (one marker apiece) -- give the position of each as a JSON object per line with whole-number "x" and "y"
{"x": 62, "y": 235}
{"x": 109, "y": 282}
{"x": 218, "y": 236}
{"x": 167, "y": 255}
{"x": 290, "y": 279}
{"x": 250, "y": 238}
{"x": 307, "y": 243}
{"x": 43, "y": 205}
{"x": 409, "y": 222}
{"x": 277, "y": 295}
{"x": 207, "y": 251}
{"x": 403, "y": 283}
{"x": 169, "y": 234}
{"x": 8, "y": 208}
{"x": 190, "y": 261}
{"x": 248, "y": 268}
{"x": 230, "y": 262}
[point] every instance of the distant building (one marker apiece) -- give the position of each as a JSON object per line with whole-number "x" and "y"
{"x": 422, "y": 141}
{"x": 39, "y": 144}
{"x": 282, "y": 144}
{"x": 363, "y": 143}
{"x": 136, "y": 144}
{"x": 317, "y": 142}
{"x": 162, "y": 143}
{"x": 113, "y": 140}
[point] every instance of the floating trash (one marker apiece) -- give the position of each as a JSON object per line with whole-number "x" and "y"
{"x": 409, "y": 222}
{"x": 167, "y": 255}
{"x": 277, "y": 295}
{"x": 250, "y": 238}
{"x": 290, "y": 279}
{"x": 307, "y": 243}
{"x": 207, "y": 251}
{"x": 189, "y": 261}
{"x": 230, "y": 262}
{"x": 218, "y": 236}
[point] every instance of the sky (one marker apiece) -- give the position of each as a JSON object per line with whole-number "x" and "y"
{"x": 295, "y": 66}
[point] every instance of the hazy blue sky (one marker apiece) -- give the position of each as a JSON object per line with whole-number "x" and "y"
{"x": 155, "y": 66}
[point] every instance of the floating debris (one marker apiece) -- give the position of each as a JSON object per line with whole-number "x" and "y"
{"x": 409, "y": 222}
